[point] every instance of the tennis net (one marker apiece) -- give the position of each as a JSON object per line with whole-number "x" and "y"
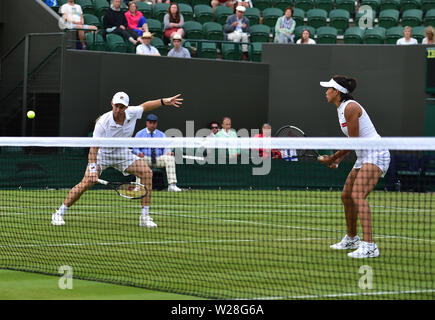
{"x": 255, "y": 218}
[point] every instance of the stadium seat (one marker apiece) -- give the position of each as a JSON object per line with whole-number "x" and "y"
{"x": 326, "y": 35}
{"x": 145, "y": 8}
{"x": 253, "y": 14}
{"x": 326, "y": 5}
{"x": 195, "y": 2}
{"x": 348, "y": 5}
{"x": 374, "y": 4}
{"x": 427, "y": 5}
{"x": 95, "y": 42}
{"x": 159, "y": 44}
{"x": 124, "y": 7}
{"x": 409, "y": 4}
{"x": 207, "y": 50}
{"x": 255, "y": 51}
{"x": 282, "y": 4}
{"x": 374, "y": 35}
{"x": 339, "y": 19}
{"x": 203, "y": 13}
{"x": 418, "y": 33}
{"x": 259, "y": 33}
{"x": 270, "y": 15}
{"x": 87, "y": 6}
{"x": 159, "y": 10}
{"x": 393, "y": 34}
{"x": 221, "y": 14}
{"x": 407, "y": 169}
{"x": 298, "y": 16}
{"x": 300, "y": 29}
{"x": 100, "y": 8}
{"x": 186, "y": 11}
{"x": 193, "y": 30}
{"x": 156, "y": 27}
{"x": 262, "y": 4}
{"x": 388, "y": 18}
{"x": 390, "y": 4}
{"x": 363, "y": 16}
{"x": 412, "y": 18}
{"x": 231, "y": 51}
{"x": 212, "y": 31}
{"x": 429, "y": 18}
{"x": 353, "y": 35}
{"x": 316, "y": 18}
{"x": 304, "y": 4}
{"x": 189, "y": 2}
{"x": 115, "y": 43}
{"x": 92, "y": 20}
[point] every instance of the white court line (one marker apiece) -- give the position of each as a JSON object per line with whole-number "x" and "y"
{"x": 155, "y": 242}
{"x": 342, "y": 295}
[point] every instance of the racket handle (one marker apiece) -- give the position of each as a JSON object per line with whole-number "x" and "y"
{"x": 103, "y": 182}
{"x": 320, "y": 158}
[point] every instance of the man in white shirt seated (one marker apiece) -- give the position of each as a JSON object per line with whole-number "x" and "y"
{"x": 407, "y": 37}
{"x": 146, "y": 48}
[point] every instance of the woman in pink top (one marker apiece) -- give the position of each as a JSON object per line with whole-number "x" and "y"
{"x": 135, "y": 19}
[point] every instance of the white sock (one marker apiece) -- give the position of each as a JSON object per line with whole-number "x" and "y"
{"x": 145, "y": 211}
{"x": 62, "y": 209}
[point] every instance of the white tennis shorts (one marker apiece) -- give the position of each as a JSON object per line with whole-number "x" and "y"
{"x": 119, "y": 159}
{"x": 380, "y": 158}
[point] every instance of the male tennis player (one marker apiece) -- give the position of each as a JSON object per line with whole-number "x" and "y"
{"x": 120, "y": 122}
{"x": 369, "y": 167}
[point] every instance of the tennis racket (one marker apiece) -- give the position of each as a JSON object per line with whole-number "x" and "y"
{"x": 300, "y": 154}
{"x": 128, "y": 190}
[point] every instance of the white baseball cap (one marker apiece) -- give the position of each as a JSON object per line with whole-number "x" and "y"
{"x": 241, "y": 8}
{"x": 121, "y": 97}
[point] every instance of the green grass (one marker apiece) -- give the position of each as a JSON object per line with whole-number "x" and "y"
{"x": 224, "y": 244}
{"x": 16, "y": 285}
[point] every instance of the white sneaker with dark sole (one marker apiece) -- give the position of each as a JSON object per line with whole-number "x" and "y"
{"x": 173, "y": 188}
{"x": 57, "y": 219}
{"x": 347, "y": 243}
{"x": 365, "y": 250}
{"x": 147, "y": 221}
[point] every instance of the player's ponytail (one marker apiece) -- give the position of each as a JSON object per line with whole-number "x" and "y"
{"x": 348, "y": 83}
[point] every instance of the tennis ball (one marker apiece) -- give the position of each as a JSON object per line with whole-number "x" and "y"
{"x": 31, "y": 114}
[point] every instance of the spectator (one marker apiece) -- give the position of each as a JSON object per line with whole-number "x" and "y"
{"x": 228, "y": 3}
{"x": 429, "y": 33}
{"x": 146, "y": 48}
{"x": 305, "y": 38}
{"x": 237, "y": 28}
{"x": 157, "y": 157}
{"x": 115, "y": 22}
{"x": 173, "y": 21}
{"x": 178, "y": 50}
{"x": 245, "y": 3}
{"x": 72, "y": 15}
{"x": 285, "y": 27}
{"x": 266, "y": 132}
{"x": 227, "y": 132}
{"x": 135, "y": 19}
{"x": 214, "y": 128}
{"x": 407, "y": 37}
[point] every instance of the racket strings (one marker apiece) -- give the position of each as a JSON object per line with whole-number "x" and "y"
{"x": 132, "y": 190}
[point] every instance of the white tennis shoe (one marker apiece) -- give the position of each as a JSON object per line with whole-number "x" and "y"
{"x": 57, "y": 219}
{"x": 347, "y": 243}
{"x": 147, "y": 221}
{"x": 173, "y": 188}
{"x": 365, "y": 250}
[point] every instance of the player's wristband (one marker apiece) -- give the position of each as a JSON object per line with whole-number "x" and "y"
{"x": 161, "y": 101}
{"x": 92, "y": 168}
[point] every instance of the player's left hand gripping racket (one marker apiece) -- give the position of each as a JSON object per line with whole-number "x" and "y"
{"x": 128, "y": 190}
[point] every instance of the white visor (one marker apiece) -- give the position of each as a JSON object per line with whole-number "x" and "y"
{"x": 332, "y": 84}
{"x": 122, "y": 98}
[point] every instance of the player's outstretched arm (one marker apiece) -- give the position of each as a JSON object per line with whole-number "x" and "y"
{"x": 174, "y": 101}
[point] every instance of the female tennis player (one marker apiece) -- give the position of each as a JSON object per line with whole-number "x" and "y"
{"x": 120, "y": 122}
{"x": 369, "y": 167}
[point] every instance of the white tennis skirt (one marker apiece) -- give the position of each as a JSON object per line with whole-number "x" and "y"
{"x": 120, "y": 160}
{"x": 380, "y": 158}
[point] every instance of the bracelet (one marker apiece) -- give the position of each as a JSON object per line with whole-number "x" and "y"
{"x": 92, "y": 168}
{"x": 161, "y": 101}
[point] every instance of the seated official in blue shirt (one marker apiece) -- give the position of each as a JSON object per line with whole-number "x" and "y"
{"x": 157, "y": 157}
